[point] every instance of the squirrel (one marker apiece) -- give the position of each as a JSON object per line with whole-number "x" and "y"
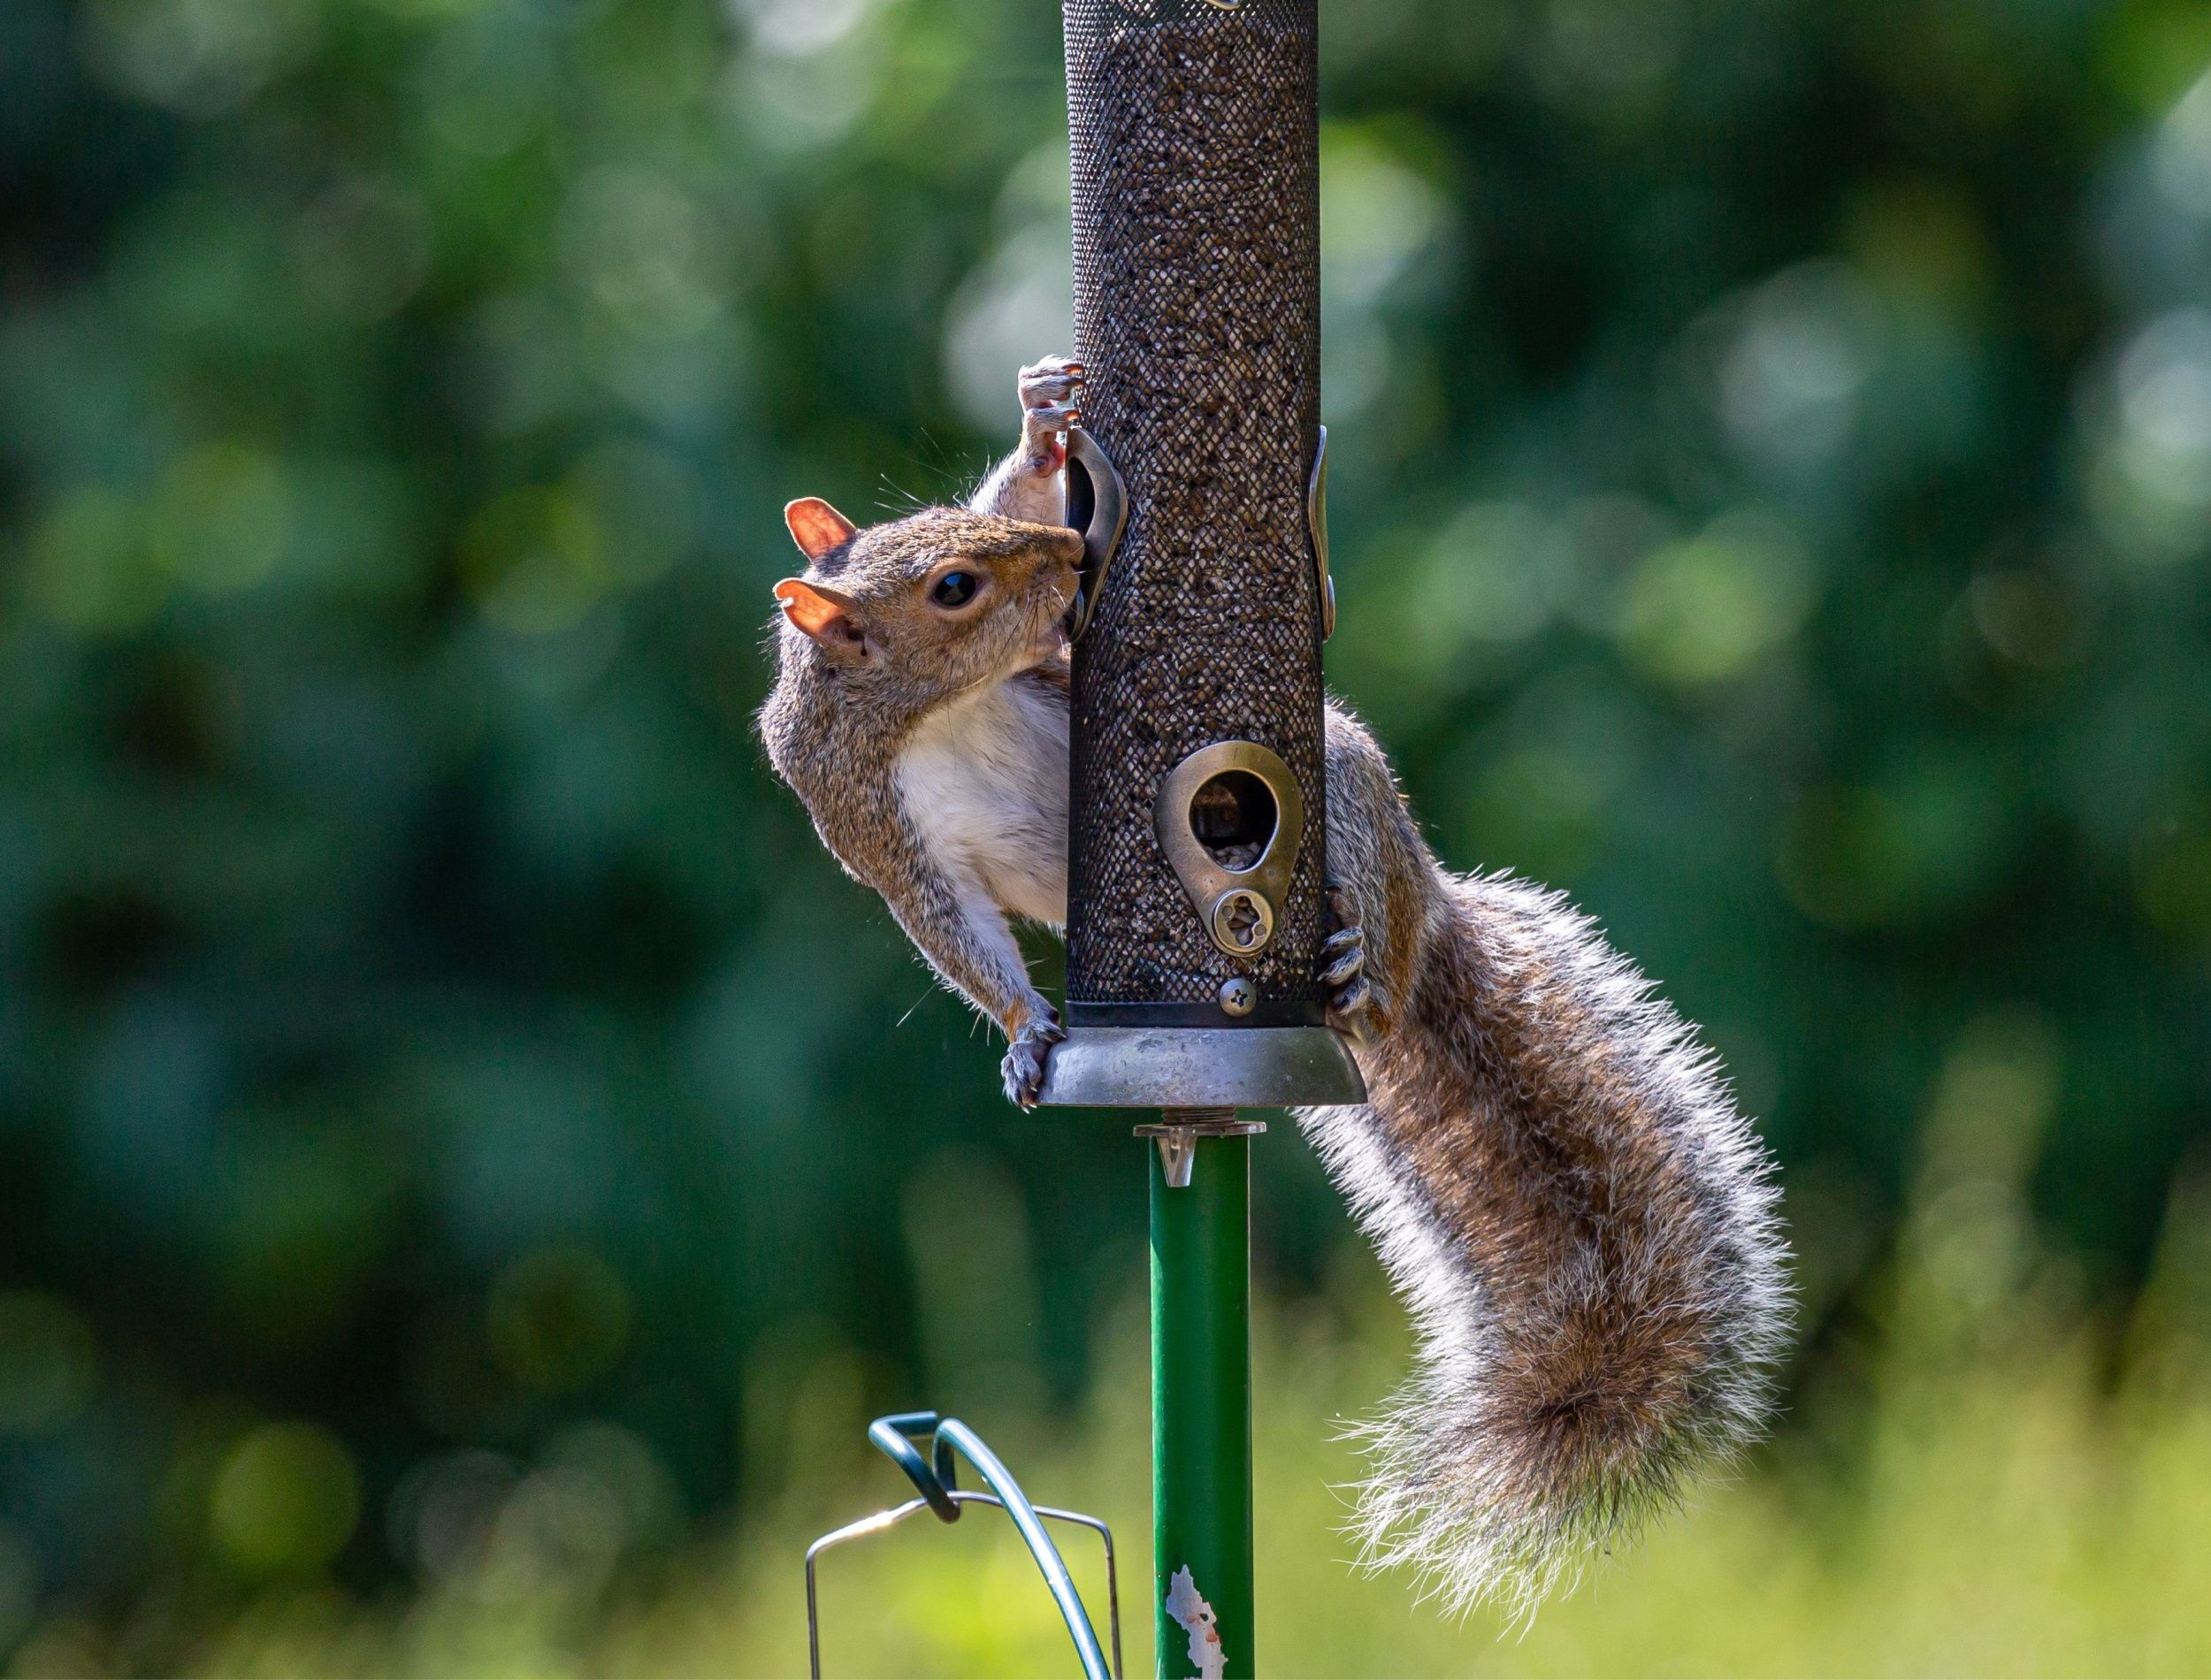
{"x": 1581, "y": 1225}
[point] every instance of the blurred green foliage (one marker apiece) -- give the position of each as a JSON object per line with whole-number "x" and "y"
{"x": 1981, "y": 1497}
{"x": 447, "y": 1096}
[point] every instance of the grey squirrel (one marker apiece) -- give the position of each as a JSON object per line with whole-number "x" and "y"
{"x": 1559, "y": 1186}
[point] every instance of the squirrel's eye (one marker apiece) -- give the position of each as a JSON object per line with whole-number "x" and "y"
{"x": 953, "y": 589}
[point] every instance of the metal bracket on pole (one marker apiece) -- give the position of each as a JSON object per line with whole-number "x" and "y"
{"x": 1179, "y": 1130}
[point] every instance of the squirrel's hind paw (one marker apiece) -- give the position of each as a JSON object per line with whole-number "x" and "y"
{"x": 1023, "y": 1068}
{"x": 1343, "y": 976}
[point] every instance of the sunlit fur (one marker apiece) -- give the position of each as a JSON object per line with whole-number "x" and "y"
{"x": 906, "y": 753}
{"x": 1581, "y": 1223}
{"x": 986, "y": 780}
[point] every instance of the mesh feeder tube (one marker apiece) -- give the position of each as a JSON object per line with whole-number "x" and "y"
{"x": 1197, "y": 812}
{"x": 1197, "y": 817}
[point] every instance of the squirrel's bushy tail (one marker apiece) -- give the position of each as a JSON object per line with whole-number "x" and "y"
{"x": 1584, "y": 1230}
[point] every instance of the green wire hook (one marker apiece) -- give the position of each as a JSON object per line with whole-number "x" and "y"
{"x": 935, "y": 1481}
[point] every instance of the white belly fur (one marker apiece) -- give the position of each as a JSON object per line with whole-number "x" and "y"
{"x": 985, "y": 782}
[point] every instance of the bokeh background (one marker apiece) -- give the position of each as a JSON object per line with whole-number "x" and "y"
{"x": 472, "y": 1164}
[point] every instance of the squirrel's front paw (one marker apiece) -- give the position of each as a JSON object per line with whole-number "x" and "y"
{"x": 1048, "y": 408}
{"x": 1023, "y": 1068}
{"x": 1344, "y": 973}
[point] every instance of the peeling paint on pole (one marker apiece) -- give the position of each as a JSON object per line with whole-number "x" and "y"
{"x": 1190, "y": 1612}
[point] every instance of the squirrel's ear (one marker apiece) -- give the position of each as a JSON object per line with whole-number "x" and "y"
{"x": 824, "y": 615}
{"x": 815, "y": 526}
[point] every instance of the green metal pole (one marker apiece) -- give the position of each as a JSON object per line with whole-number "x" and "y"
{"x": 1201, "y": 1406}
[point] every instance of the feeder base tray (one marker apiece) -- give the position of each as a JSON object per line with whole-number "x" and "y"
{"x": 1202, "y": 1067}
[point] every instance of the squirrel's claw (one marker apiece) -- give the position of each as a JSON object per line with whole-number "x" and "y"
{"x": 1342, "y": 957}
{"x": 1348, "y": 1009}
{"x": 1051, "y": 380}
{"x": 1048, "y": 408}
{"x": 1023, "y": 1068}
{"x": 1044, "y": 425}
{"x": 1344, "y": 974}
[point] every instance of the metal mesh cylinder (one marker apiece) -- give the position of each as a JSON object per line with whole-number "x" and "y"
{"x": 1194, "y": 134}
